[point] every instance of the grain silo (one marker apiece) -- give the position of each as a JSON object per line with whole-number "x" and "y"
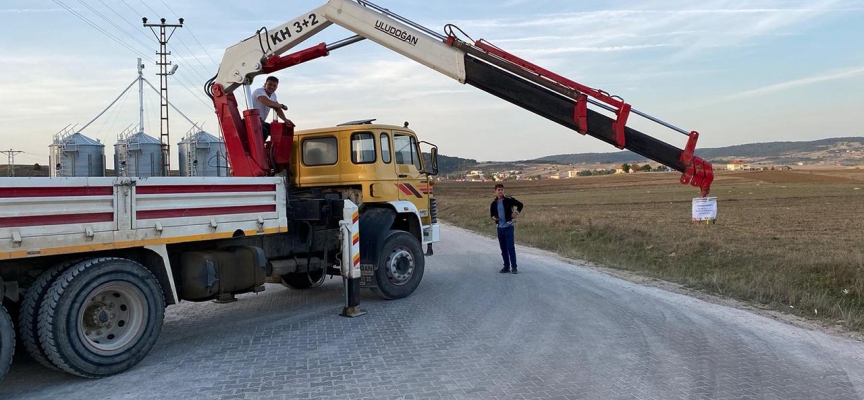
{"x": 138, "y": 155}
{"x": 202, "y": 154}
{"x": 75, "y": 155}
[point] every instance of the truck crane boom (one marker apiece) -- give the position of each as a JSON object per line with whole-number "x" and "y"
{"x": 477, "y": 63}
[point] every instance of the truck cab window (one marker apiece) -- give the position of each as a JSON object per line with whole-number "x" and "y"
{"x": 406, "y": 150}
{"x": 362, "y": 148}
{"x": 320, "y": 151}
{"x": 385, "y": 148}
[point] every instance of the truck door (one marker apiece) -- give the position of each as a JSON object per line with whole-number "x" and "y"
{"x": 409, "y": 164}
{"x": 386, "y": 185}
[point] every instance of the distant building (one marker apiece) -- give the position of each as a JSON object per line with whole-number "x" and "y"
{"x": 737, "y": 165}
{"x": 572, "y": 173}
{"x": 619, "y": 169}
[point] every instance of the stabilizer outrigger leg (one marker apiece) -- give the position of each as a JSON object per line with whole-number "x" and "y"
{"x": 350, "y": 230}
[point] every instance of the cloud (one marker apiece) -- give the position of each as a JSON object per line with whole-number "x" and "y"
{"x": 685, "y": 28}
{"x": 831, "y": 76}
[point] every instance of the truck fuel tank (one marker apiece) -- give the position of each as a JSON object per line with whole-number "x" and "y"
{"x": 208, "y": 274}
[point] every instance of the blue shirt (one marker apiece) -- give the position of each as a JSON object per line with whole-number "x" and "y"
{"x": 501, "y": 216}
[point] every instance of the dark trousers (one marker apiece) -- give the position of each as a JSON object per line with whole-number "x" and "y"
{"x": 265, "y": 129}
{"x": 508, "y": 246}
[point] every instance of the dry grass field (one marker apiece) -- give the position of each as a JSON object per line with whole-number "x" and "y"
{"x": 788, "y": 240}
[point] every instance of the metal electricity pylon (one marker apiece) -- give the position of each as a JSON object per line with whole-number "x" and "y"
{"x": 163, "y": 36}
{"x": 11, "y": 154}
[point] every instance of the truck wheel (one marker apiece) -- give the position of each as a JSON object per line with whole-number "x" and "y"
{"x": 27, "y": 321}
{"x": 400, "y": 266}
{"x": 7, "y": 342}
{"x": 101, "y": 317}
{"x": 304, "y": 280}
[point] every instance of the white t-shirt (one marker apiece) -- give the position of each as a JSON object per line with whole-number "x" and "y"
{"x": 263, "y": 109}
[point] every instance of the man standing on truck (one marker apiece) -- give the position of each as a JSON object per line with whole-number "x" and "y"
{"x": 263, "y": 99}
{"x": 502, "y": 212}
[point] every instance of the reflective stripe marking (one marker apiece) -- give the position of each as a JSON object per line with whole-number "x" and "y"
{"x": 62, "y": 219}
{"x": 173, "y": 189}
{"x": 197, "y": 212}
{"x": 9, "y": 192}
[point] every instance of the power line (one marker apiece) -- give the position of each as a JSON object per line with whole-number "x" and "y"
{"x": 112, "y": 23}
{"x": 148, "y": 7}
{"x": 172, "y": 105}
{"x": 104, "y": 32}
{"x": 193, "y": 35}
{"x": 116, "y": 115}
{"x": 187, "y": 63}
{"x": 134, "y": 27}
{"x": 194, "y": 95}
{"x": 130, "y": 7}
{"x": 33, "y": 156}
{"x": 193, "y": 56}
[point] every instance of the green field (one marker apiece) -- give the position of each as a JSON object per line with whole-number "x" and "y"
{"x": 789, "y": 240}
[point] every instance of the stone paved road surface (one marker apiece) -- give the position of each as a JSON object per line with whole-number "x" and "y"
{"x": 554, "y": 331}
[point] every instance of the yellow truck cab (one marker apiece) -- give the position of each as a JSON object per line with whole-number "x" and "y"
{"x": 371, "y": 163}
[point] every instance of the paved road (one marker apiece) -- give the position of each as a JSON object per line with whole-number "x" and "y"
{"x": 554, "y": 331}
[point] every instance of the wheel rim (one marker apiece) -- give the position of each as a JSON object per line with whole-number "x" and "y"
{"x": 113, "y": 318}
{"x": 400, "y": 266}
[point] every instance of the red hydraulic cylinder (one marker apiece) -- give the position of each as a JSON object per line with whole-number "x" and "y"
{"x": 276, "y": 63}
{"x": 255, "y": 138}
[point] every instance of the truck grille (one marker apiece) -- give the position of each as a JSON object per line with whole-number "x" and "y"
{"x": 433, "y": 210}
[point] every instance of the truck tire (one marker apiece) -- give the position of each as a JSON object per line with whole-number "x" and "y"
{"x": 7, "y": 342}
{"x": 27, "y": 319}
{"x": 101, "y": 317}
{"x": 400, "y": 266}
{"x": 304, "y": 280}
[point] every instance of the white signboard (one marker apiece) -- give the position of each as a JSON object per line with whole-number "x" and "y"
{"x": 705, "y": 210}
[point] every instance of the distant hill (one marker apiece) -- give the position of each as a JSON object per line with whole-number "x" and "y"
{"x": 25, "y": 170}
{"x": 449, "y": 165}
{"x": 833, "y": 151}
{"x": 787, "y": 151}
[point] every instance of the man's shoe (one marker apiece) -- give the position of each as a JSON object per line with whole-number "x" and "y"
{"x": 514, "y": 272}
{"x": 505, "y": 270}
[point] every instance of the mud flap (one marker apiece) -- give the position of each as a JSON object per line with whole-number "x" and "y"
{"x": 374, "y": 223}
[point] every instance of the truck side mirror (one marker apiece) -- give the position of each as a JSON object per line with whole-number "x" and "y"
{"x": 434, "y": 161}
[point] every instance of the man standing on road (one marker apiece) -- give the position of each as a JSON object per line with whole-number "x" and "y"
{"x": 263, "y": 99}
{"x": 502, "y": 212}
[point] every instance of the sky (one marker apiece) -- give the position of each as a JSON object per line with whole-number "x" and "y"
{"x": 736, "y": 71}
